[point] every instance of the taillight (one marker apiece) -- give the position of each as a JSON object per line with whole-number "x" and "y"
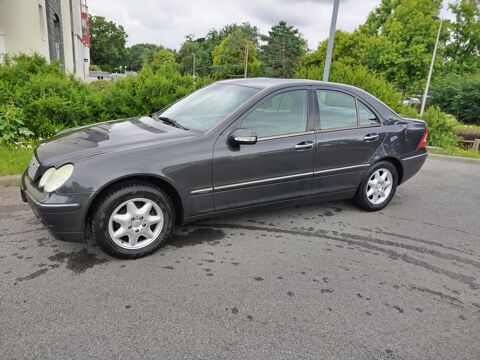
{"x": 423, "y": 142}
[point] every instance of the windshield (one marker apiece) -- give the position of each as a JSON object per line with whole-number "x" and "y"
{"x": 207, "y": 107}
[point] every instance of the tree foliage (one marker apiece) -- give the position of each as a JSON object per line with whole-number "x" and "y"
{"x": 140, "y": 54}
{"x": 203, "y": 58}
{"x": 462, "y": 52}
{"x": 163, "y": 61}
{"x": 458, "y": 95}
{"x": 107, "y": 44}
{"x": 229, "y": 56}
{"x": 283, "y": 50}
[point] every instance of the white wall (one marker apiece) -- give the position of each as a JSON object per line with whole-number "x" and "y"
{"x": 24, "y": 25}
{"x": 67, "y": 37}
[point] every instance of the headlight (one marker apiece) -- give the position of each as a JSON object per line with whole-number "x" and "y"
{"x": 53, "y": 178}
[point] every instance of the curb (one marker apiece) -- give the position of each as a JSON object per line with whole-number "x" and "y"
{"x": 10, "y": 181}
{"x": 454, "y": 158}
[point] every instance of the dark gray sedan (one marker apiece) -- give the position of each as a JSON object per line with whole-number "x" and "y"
{"x": 232, "y": 146}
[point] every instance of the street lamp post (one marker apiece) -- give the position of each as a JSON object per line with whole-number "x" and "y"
{"x": 331, "y": 38}
{"x": 425, "y": 94}
{"x": 193, "y": 66}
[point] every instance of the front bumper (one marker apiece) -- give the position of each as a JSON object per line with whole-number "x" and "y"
{"x": 62, "y": 214}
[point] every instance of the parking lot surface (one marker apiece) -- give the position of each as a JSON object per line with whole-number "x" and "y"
{"x": 310, "y": 282}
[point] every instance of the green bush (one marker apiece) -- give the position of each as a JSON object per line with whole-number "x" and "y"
{"x": 363, "y": 78}
{"x": 441, "y": 128}
{"x": 144, "y": 93}
{"x": 12, "y": 125}
{"x": 458, "y": 95}
{"x": 47, "y": 100}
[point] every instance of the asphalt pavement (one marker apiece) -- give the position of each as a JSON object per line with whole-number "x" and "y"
{"x": 323, "y": 281}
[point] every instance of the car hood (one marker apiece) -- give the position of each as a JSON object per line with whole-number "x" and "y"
{"x": 93, "y": 140}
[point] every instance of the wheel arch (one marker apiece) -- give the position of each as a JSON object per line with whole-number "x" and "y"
{"x": 398, "y": 166}
{"x": 145, "y": 178}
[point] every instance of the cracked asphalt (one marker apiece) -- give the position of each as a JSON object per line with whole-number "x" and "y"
{"x": 323, "y": 281}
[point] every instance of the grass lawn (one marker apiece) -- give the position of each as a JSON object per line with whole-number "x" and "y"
{"x": 13, "y": 161}
{"x": 456, "y": 152}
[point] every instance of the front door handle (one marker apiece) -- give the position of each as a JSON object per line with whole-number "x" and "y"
{"x": 370, "y": 137}
{"x": 304, "y": 145}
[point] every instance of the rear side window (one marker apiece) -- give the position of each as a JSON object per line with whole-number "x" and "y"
{"x": 337, "y": 110}
{"x": 366, "y": 116}
{"x": 282, "y": 114}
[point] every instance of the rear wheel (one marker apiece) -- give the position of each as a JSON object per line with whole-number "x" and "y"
{"x": 378, "y": 187}
{"x": 133, "y": 220}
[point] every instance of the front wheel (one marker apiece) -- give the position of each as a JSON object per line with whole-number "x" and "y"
{"x": 133, "y": 220}
{"x": 377, "y": 187}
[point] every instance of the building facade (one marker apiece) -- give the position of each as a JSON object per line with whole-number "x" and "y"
{"x": 55, "y": 29}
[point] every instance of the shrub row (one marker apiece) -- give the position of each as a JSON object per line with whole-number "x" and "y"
{"x": 441, "y": 125}
{"x": 46, "y": 100}
{"x": 38, "y": 99}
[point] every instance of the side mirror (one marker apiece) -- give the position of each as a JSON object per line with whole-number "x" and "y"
{"x": 242, "y": 136}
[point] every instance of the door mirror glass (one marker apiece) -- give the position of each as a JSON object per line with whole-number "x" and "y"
{"x": 243, "y": 136}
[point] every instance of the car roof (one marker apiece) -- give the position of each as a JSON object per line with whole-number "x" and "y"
{"x": 264, "y": 83}
{"x": 273, "y": 84}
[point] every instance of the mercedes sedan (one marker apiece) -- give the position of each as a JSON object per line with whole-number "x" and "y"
{"x": 232, "y": 146}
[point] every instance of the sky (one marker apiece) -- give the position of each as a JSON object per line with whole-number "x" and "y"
{"x": 167, "y": 22}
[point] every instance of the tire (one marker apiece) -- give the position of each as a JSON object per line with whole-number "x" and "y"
{"x": 380, "y": 198}
{"x": 145, "y": 229}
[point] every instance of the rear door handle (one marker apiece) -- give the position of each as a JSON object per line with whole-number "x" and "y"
{"x": 370, "y": 137}
{"x": 304, "y": 145}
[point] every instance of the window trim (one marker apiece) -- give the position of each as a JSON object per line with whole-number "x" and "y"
{"x": 310, "y": 124}
{"x": 273, "y": 137}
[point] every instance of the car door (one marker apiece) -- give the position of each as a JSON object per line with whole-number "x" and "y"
{"x": 348, "y": 134}
{"x": 279, "y": 166}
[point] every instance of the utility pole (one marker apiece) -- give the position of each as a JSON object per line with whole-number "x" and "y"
{"x": 331, "y": 38}
{"x": 425, "y": 94}
{"x": 245, "y": 72}
{"x": 193, "y": 66}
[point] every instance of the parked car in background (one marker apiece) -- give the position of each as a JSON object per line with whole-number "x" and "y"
{"x": 412, "y": 101}
{"x": 232, "y": 146}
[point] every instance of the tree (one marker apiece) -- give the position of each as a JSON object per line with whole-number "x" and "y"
{"x": 107, "y": 44}
{"x": 139, "y": 54}
{"x": 346, "y": 46}
{"x": 463, "y": 50}
{"x": 163, "y": 61}
{"x": 229, "y": 56}
{"x": 402, "y": 49}
{"x": 283, "y": 50}
{"x": 204, "y": 47}
{"x": 397, "y": 41}
{"x": 203, "y": 61}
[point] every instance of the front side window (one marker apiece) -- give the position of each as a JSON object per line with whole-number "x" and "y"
{"x": 337, "y": 110}
{"x": 207, "y": 107}
{"x": 282, "y": 114}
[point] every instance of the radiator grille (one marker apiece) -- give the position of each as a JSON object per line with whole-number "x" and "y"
{"x": 33, "y": 168}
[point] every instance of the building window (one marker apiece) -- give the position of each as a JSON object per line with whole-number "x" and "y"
{"x": 56, "y": 35}
{"x": 42, "y": 22}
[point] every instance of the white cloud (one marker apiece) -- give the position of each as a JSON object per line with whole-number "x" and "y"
{"x": 167, "y": 22}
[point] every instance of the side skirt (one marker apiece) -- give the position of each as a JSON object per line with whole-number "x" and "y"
{"x": 342, "y": 195}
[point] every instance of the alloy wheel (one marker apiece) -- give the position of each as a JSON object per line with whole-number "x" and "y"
{"x": 379, "y": 186}
{"x": 136, "y": 223}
